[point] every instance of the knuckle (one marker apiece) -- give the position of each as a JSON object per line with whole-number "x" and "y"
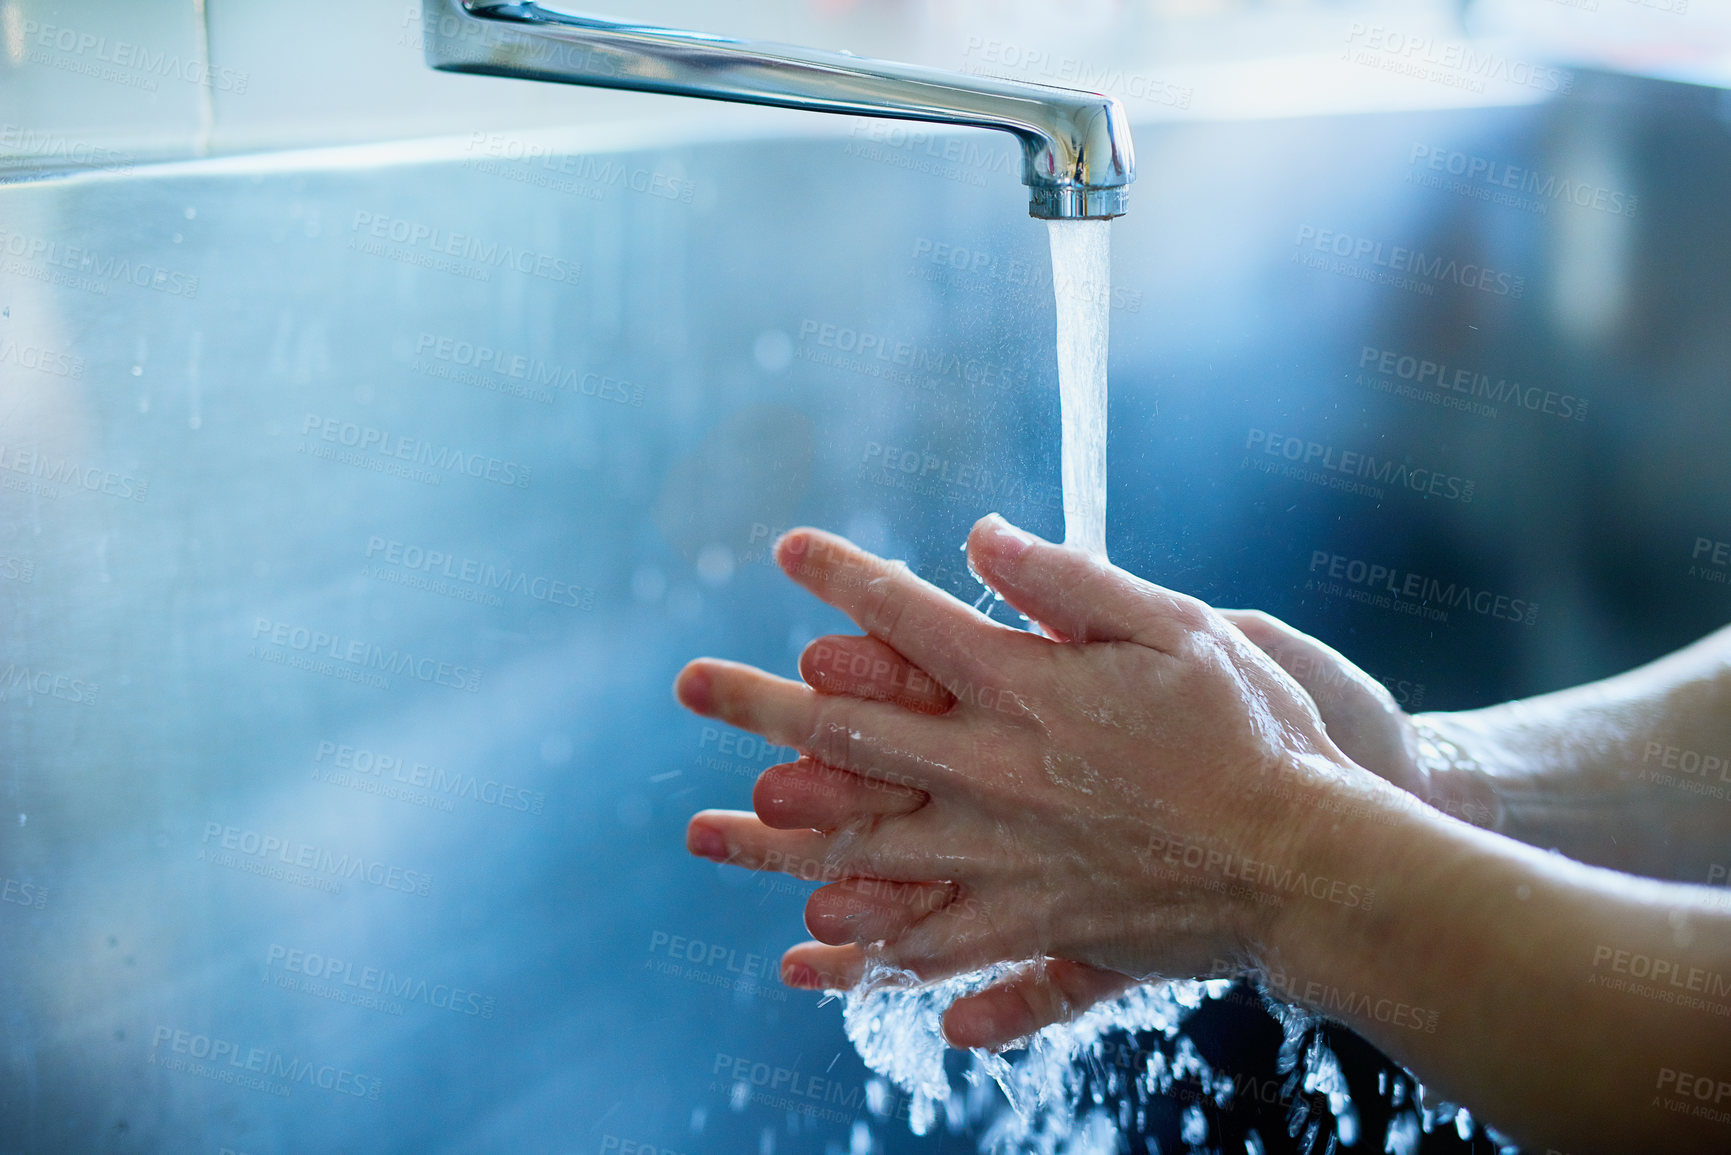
{"x": 1191, "y": 615}
{"x": 1258, "y": 624}
{"x": 830, "y": 739}
{"x": 883, "y": 607}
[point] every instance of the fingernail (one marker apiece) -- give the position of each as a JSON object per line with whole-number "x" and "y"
{"x": 1007, "y": 539}
{"x": 801, "y": 976}
{"x": 789, "y": 550}
{"x": 707, "y": 842}
{"x": 693, "y": 690}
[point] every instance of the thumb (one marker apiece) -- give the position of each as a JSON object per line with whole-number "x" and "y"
{"x": 1082, "y": 597}
{"x": 1360, "y": 714}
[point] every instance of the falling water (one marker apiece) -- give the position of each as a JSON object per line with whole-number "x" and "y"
{"x": 1082, "y": 285}
{"x": 892, "y": 1020}
{"x": 1066, "y": 1090}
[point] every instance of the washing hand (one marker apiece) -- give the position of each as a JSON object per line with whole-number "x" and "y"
{"x": 1128, "y": 805}
{"x": 1360, "y": 714}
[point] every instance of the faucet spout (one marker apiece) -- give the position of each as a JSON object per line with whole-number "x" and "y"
{"x": 1077, "y": 159}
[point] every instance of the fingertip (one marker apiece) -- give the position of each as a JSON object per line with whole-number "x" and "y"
{"x": 800, "y": 977}
{"x": 693, "y": 688}
{"x": 793, "y": 547}
{"x": 997, "y": 533}
{"x": 774, "y": 797}
{"x": 704, "y": 840}
{"x": 953, "y": 1027}
{"x": 820, "y": 967}
{"x": 978, "y": 1022}
{"x": 812, "y": 660}
{"x": 994, "y": 544}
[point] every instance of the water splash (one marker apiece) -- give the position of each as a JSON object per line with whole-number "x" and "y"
{"x": 893, "y": 1021}
{"x": 1074, "y": 1089}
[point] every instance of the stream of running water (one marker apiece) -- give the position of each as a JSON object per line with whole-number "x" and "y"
{"x": 1082, "y": 288}
{"x": 1087, "y": 1087}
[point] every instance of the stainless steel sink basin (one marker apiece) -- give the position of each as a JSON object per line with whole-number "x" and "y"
{"x": 355, "y": 516}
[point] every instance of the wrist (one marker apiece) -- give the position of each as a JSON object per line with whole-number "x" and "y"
{"x": 1362, "y": 841}
{"x": 1451, "y": 776}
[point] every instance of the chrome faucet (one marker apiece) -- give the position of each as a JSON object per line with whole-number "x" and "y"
{"x": 1076, "y": 156}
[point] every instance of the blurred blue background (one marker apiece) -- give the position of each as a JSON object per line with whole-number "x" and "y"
{"x": 359, "y": 507}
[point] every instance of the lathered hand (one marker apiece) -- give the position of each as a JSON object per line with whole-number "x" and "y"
{"x": 1360, "y": 714}
{"x": 1128, "y": 803}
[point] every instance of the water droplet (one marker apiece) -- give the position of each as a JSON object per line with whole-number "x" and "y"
{"x": 773, "y": 350}
{"x": 714, "y": 564}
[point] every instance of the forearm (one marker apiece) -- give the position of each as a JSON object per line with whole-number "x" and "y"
{"x": 1633, "y": 772}
{"x": 1561, "y": 1001}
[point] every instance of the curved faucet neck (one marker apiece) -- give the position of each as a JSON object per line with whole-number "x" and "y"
{"x": 1077, "y": 159}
